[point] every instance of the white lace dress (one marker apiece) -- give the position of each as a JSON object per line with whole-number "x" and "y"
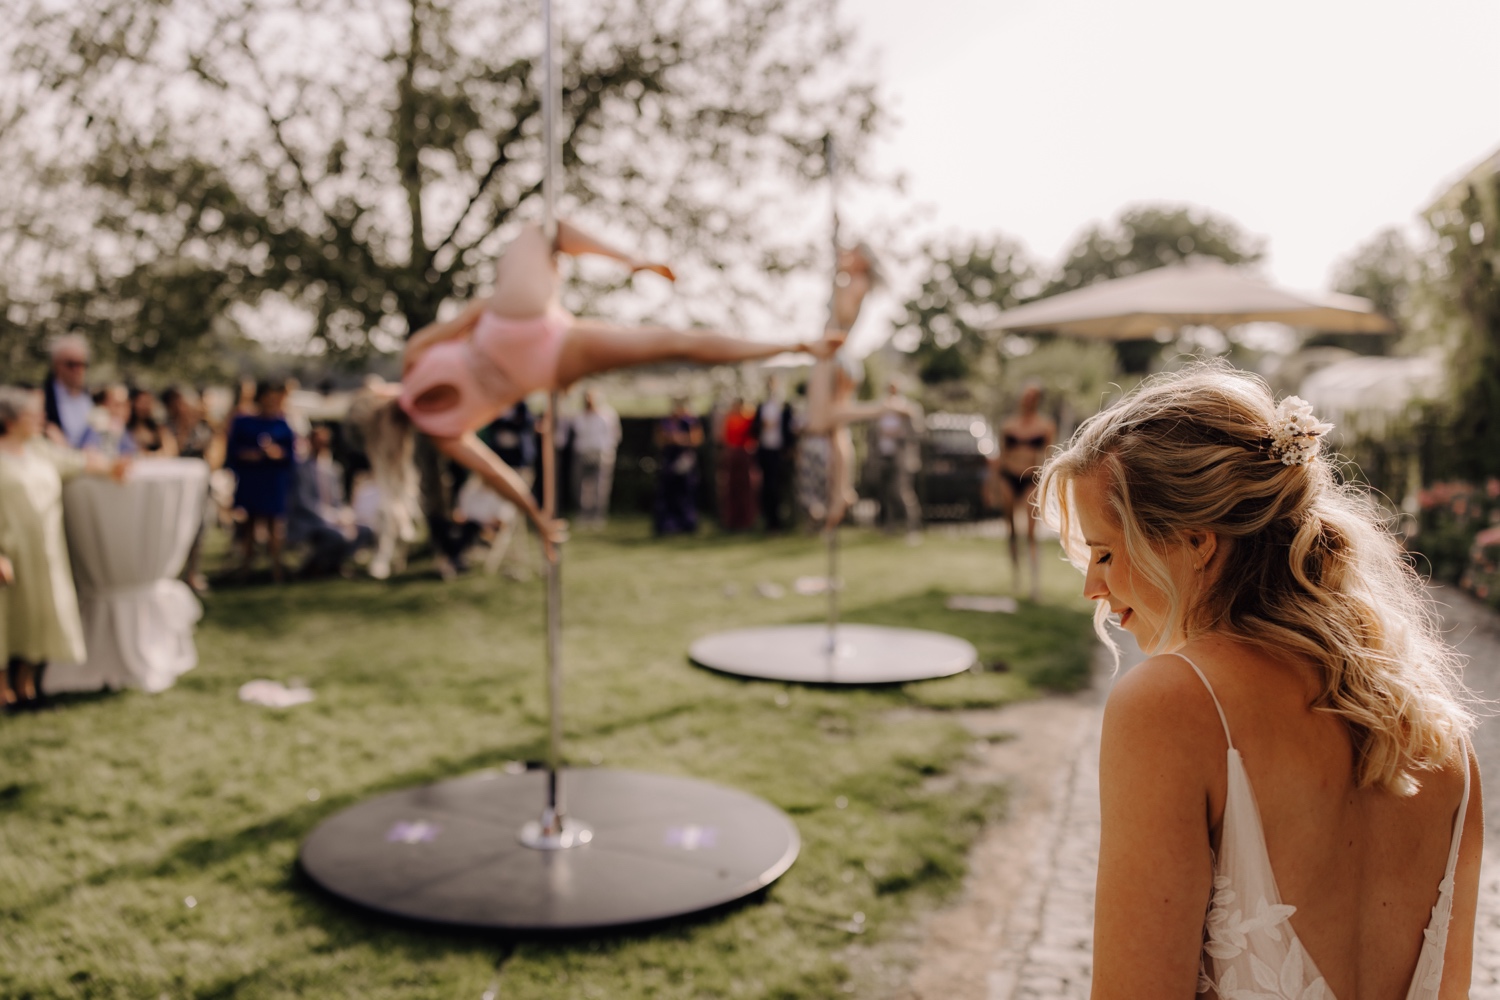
{"x": 1250, "y": 951}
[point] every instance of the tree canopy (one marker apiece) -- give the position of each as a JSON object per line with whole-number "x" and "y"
{"x": 1466, "y": 280}
{"x": 358, "y": 162}
{"x": 967, "y": 284}
{"x": 1146, "y": 237}
{"x": 966, "y": 287}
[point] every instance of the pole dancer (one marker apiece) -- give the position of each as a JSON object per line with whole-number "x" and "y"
{"x": 830, "y": 395}
{"x": 462, "y": 373}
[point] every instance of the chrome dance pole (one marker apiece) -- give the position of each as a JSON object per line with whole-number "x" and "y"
{"x": 554, "y": 830}
{"x": 830, "y": 162}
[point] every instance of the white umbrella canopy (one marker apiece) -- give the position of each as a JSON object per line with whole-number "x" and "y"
{"x": 1197, "y": 293}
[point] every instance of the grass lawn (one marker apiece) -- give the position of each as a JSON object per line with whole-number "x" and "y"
{"x": 148, "y": 843}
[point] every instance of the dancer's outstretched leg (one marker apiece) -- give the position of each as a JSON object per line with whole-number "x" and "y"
{"x": 591, "y": 346}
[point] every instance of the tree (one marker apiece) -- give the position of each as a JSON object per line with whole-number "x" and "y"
{"x": 1383, "y": 270}
{"x": 1148, "y": 237}
{"x": 966, "y": 287}
{"x": 1466, "y": 280}
{"x": 360, "y": 162}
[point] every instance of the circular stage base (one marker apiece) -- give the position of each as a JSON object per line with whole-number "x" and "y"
{"x": 451, "y": 853}
{"x": 862, "y": 654}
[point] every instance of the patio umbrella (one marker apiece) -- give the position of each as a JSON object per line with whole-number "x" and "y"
{"x": 1197, "y": 293}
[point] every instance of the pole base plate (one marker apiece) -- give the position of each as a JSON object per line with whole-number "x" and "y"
{"x": 848, "y": 654}
{"x": 449, "y": 854}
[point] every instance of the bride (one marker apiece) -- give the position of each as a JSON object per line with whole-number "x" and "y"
{"x": 1290, "y": 802}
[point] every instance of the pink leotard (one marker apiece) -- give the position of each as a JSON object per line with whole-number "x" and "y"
{"x": 502, "y": 361}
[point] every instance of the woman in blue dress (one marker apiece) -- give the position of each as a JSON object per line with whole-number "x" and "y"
{"x": 260, "y": 453}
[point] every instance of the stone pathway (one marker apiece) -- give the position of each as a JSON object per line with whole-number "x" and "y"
{"x": 1056, "y": 959}
{"x": 1475, "y": 630}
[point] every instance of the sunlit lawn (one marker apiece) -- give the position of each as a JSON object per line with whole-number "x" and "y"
{"x": 114, "y": 810}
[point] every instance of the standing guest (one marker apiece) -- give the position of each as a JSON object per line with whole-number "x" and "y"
{"x": 144, "y": 429}
{"x": 260, "y": 453}
{"x": 68, "y": 402}
{"x": 244, "y": 403}
{"x": 678, "y": 437}
{"x": 898, "y": 454}
{"x": 737, "y": 493}
{"x": 596, "y": 436}
{"x": 111, "y": 421}
{"x": 773, "y": 432}
{"x": 1025, "y": 437}
{"x": 193, "y": 437}
{"x": 39, "y": 620}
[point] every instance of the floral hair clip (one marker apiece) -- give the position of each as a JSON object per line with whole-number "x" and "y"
{"x": 1295, "y": 433}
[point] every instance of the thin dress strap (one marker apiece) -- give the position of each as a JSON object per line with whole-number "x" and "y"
{"x": 1211, "y": 694}
{"x": 1458, "y": 821}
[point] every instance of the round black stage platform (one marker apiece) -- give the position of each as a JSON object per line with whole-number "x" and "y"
{"x": 862, "y": 654}
{"x": 450, "y": 853}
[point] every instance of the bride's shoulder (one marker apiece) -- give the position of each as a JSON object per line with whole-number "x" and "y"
{"x": 1162, "y": 702}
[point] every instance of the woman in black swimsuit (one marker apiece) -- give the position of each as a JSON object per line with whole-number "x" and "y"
{"x": 1025, "y": 438}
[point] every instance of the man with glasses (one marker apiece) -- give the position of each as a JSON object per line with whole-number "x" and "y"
{"x": 68, "y": 401}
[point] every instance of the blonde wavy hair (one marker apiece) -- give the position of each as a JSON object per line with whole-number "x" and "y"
{"x": 1309, "y": 569}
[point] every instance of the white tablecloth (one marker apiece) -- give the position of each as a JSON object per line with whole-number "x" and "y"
{"x": 128, "y": 543}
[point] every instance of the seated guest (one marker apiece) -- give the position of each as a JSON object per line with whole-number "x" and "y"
{"x": 68, "y": 402}
{"x": 39, "y": 620}
{"x": 317, "y": 516}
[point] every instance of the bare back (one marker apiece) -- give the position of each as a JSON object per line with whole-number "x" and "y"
{"x": 1361, "y": 866}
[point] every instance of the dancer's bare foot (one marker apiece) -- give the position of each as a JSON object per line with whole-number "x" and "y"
{"x": 661, "y": 269}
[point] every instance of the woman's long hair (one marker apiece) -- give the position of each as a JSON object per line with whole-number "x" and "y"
{"x": 1310, "y": 569}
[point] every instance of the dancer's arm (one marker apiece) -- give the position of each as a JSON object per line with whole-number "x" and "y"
{"x": 435, "y": 333}
{"x": 472, "y": 454}
{"x": 575, "y": 242}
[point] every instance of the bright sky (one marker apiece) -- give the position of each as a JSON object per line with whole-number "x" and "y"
{"x": 1313, "y": 123}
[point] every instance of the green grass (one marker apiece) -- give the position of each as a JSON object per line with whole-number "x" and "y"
{"x": 115, "y": 809}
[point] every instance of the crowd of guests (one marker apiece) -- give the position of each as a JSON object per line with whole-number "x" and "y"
{"x": 283, "y": 484}
{"x": 755, "y": 447}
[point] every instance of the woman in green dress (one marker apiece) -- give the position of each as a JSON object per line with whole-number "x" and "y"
{"x": 39, "y": 619}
